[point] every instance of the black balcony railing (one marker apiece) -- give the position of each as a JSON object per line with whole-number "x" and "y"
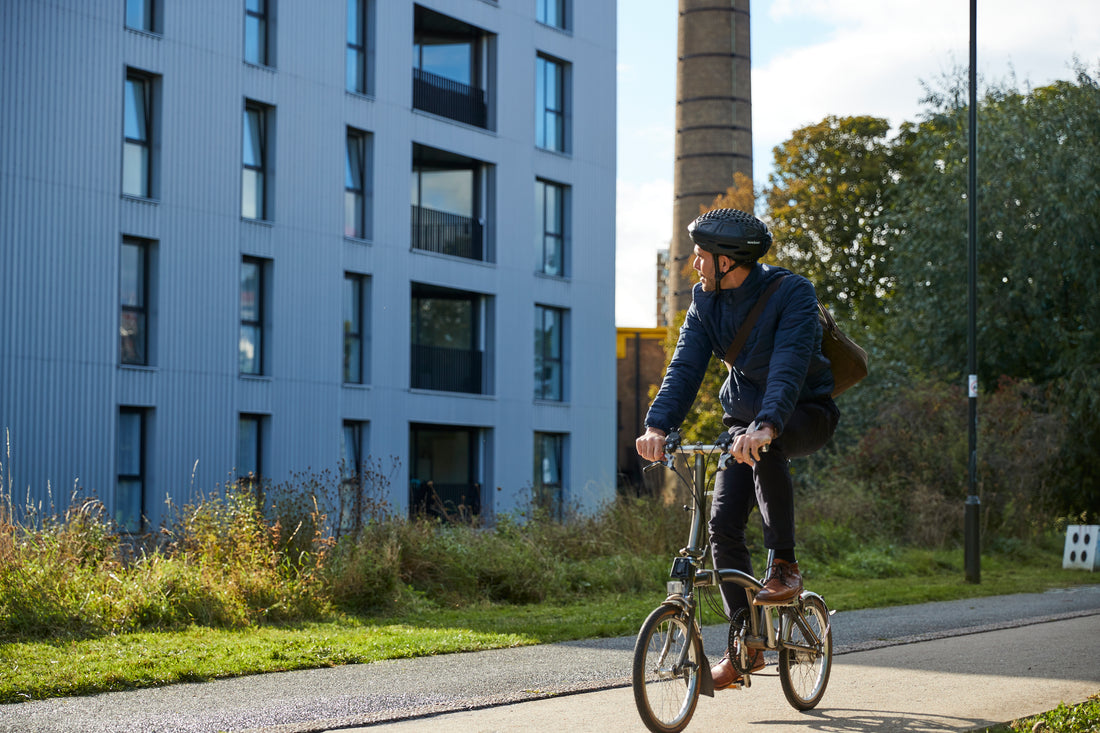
{"x": 446, "y": 370}
{"x": 451, "y": 502}
{"x": 448, "y": 98}
{"x": 449, "y": 234}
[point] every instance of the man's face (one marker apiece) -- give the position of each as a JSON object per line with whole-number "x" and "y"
{"x": 704, "y": 265}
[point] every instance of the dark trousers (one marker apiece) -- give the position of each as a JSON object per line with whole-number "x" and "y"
{"x": 741, "y": 487}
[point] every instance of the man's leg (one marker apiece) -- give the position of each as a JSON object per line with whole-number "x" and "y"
{"x": 733, "y": 501}
{"x": 809, "y": 428}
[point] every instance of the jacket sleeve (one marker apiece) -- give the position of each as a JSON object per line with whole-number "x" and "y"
{"x": 683, "y": 377}
{"x": 796, "y": 339}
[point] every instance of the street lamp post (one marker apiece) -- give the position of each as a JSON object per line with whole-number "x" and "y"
{"x": 973, "y": 504}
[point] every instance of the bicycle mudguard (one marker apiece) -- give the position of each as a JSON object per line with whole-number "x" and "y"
{"x": 706, "y": 682}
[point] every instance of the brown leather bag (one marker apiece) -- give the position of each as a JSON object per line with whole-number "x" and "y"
{"x": 847, "y": 360}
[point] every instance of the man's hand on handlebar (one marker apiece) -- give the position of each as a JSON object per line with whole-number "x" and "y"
{"x": 651, "y": 445}
{"x": 749, "y": 445}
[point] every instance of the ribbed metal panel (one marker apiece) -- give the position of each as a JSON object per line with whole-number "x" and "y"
{"x": 63, "y": 65}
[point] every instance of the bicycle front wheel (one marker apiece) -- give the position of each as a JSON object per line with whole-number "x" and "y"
{"x": 667, "y": 656}
{"x": 806, "y": 656}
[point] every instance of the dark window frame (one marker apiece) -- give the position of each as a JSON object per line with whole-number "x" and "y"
{"x": 257, "y": 323}
{"x": 127, "y": 524}
{"x": 543, "y": 188}
{"x": 144, "y": 144}
{"x": 354, "y": 336}
{"x": 260, "y": 12}
{"x": 358, "y": 29}
{"x": 142, "y": 309}
{"x": 357, "y": 161}
{"x": 551, "y": 111}
{"x": 150, "y": 16}
{"x": 549, "y": 496}
{"x": 260, "y": 168}
{"x": 560, "y": 11}
{"x": 547, "y": 389}
{"x": 350, "y": 512}
{"x": 254, "y": 478}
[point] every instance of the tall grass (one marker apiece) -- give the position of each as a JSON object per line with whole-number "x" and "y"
{"x": 236, "y": 560}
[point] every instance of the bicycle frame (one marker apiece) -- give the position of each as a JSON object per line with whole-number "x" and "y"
{"x": 689, "y": 573}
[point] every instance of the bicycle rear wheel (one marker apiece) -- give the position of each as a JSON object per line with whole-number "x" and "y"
{"x": 805, "y": 665}
{"x": 667, "y": 656}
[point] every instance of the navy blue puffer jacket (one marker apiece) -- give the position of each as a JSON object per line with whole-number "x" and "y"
{"x": 780, "y": 365}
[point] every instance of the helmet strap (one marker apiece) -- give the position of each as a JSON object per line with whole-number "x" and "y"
{"x": 720, "y": 275}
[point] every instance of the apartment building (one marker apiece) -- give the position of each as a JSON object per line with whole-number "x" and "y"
{"x": 252, "y": 239}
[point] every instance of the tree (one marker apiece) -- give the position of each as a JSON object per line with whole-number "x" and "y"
{"x": 1038, "y": 251}
{"x": 828, "y": 202}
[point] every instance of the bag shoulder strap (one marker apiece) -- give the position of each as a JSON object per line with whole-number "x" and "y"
{"x": 746, "y": 328}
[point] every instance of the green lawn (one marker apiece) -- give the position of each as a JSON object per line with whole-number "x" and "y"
{"x": 63, "y": 667}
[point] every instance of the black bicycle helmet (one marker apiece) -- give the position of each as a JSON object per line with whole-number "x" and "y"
{"x": 733, "y": 233}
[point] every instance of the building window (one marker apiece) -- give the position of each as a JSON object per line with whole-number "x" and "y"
{"x": 446, "y": 340}
{"x": 444, "y": 472}
{"x": 130, "y": 489}
{"x": 448, "y": 70}
{"x": 549, "y": 361}
{"x": 257, "y": 38}
{"x": 551, "y": 200}
{"x": 253, "y": 307}
{"x": 250, "y": 468}
{"x": 141, "y": 15}
{"x": 137, "y": 150}
{"x": 550, "y": 95}
{"x": 351, "y": 477}
{"x": 254, "y": 162}
{"x": 548, "y": 492}
{"x": 133, "y": 296}
{"x": 357, "y": 52}
{"x": 357, "y": 185}
{"x": 448, "y": 203}
{"x": 552, "y": 12}
{"x": 355, "y": 287}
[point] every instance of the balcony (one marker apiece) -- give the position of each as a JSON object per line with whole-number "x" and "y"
{"x": 445, "y": 369}
{"x": 451, "y": 502}
{"x": 448, "y": 98}
{"x": 449, "y": 234}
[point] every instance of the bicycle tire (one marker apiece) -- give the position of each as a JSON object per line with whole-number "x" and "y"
{"x": 665, "y": 690}
{"x": 804, "y": 675}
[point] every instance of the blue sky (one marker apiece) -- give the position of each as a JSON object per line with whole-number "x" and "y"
{"x": 813, "y": 58}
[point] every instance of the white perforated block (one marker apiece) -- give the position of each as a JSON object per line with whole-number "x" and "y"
{"x": 1081, "y": 547}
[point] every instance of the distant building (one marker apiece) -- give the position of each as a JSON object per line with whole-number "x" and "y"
{"x": 641, "y": 359}
{"x": 254, "y": 239}
{"x": 663, "y": 319}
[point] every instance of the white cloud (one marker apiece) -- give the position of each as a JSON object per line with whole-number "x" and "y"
{"x": 871, "y": 57}
{"x": 643, "y": 220}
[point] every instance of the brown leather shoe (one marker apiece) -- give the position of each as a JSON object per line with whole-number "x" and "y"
{"x": 783, "y": 583}
{"x": 725, "y": 676}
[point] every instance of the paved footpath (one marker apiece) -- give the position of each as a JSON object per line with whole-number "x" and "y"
{"x": 953, "y": 666}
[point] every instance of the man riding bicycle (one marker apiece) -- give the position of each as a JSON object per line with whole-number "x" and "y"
{"x": 776, "y": 400}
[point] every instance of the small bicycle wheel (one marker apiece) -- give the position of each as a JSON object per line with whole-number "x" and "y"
{"x": 805, "y": 659}
{"x": 667, "y": 656}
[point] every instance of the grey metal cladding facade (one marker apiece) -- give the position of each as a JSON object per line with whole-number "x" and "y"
{"x": 63, "y": 66}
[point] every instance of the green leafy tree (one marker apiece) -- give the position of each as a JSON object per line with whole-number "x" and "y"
{"x": 1038, "y": 239}
{"x": 828, "y": 201}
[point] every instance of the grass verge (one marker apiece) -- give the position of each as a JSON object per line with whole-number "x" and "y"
{"x": 77, "y": 666}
